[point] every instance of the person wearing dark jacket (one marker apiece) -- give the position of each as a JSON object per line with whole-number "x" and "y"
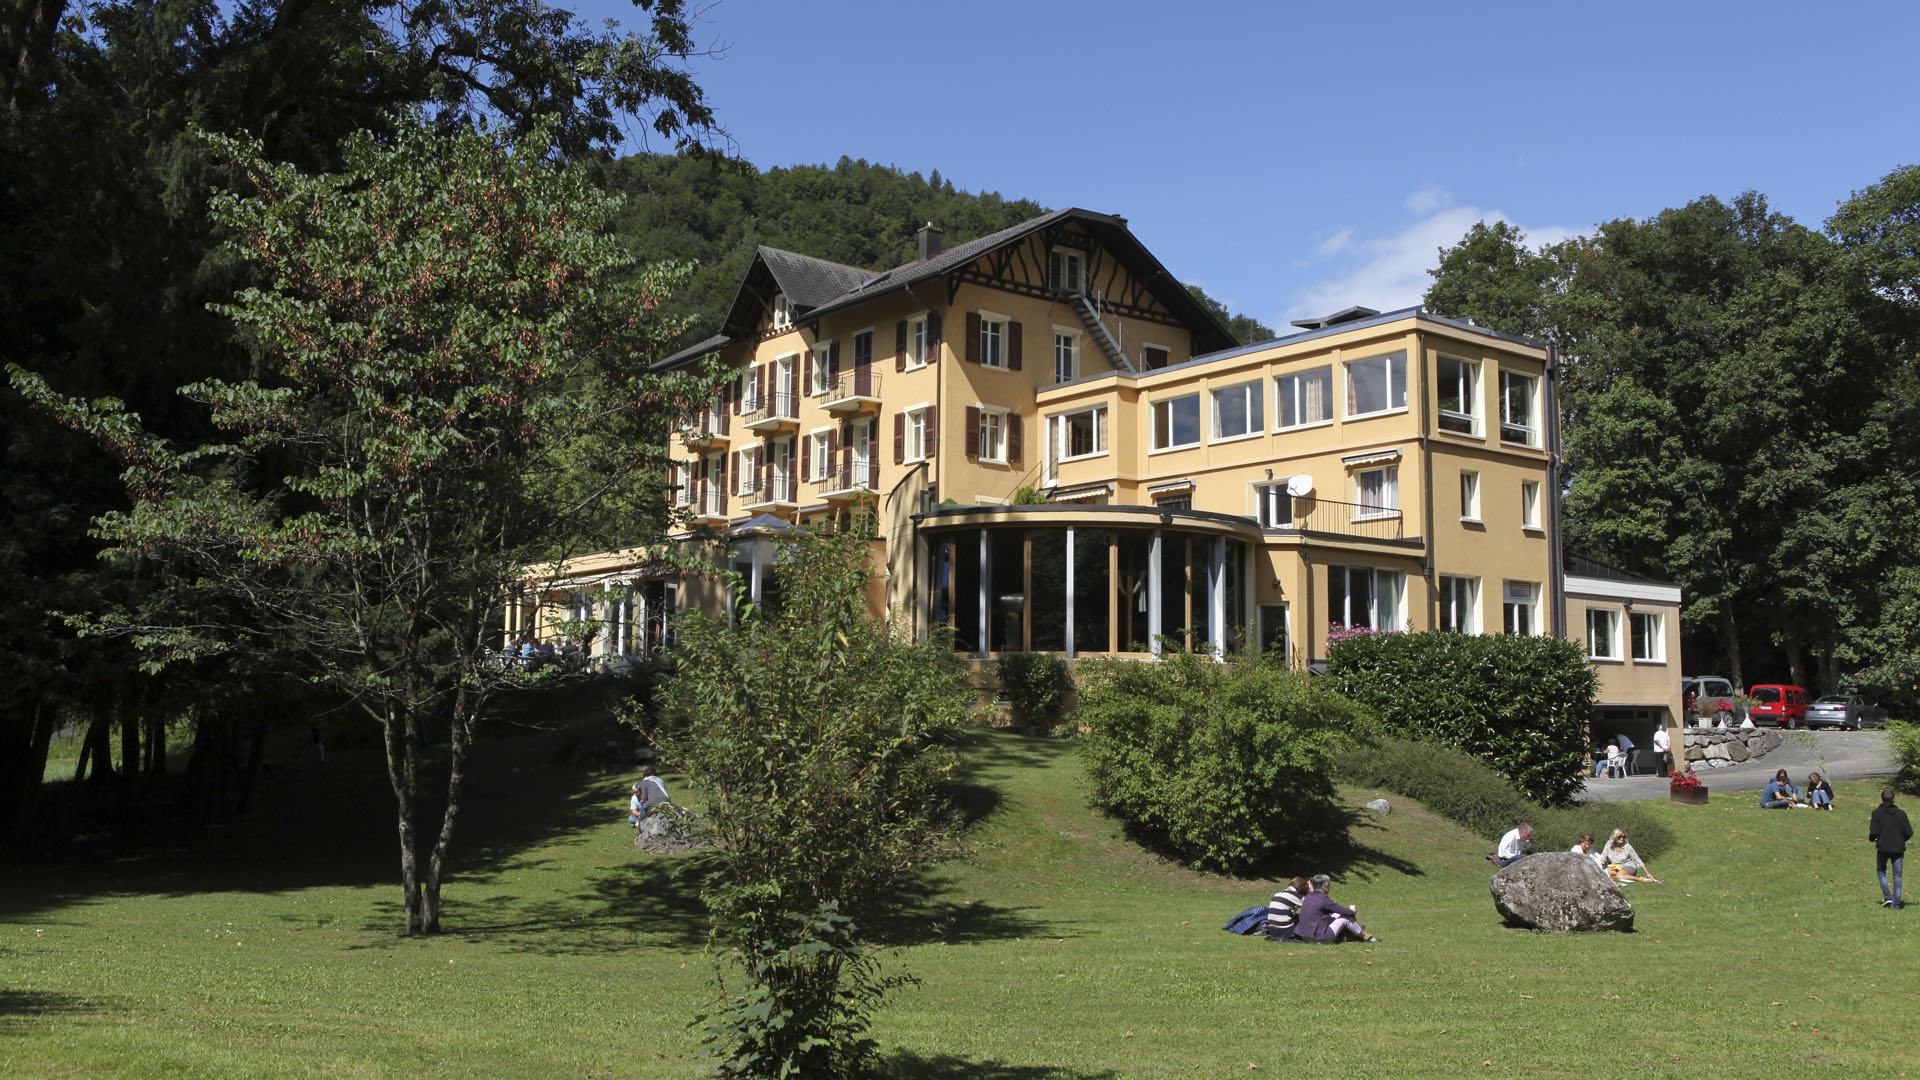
{"x": 1889, "y": 830}
{"x": 1325, "y": 921}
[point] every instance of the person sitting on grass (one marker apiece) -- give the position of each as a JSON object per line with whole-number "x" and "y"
{"x": 1585, "y": 847}
{"x": 1819, "y": 792}
{"x": 1623, "y": 863}
{"x": 1324, "y": 921}
{"x": 1283, "y": 911}
{"x": 1780, "y": 793}
{"x": 1513, "y": 845}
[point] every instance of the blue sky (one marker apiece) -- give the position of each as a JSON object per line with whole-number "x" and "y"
{"x": 1294, "y": 160}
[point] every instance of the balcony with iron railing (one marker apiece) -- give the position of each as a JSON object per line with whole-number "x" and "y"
{"x": 704, "y": 428}
{"x": 850, "y": 478}
{"x": 776, "y": 492}
{"x": 853, "y": 392}
{"x": 1327, "y": 517}
{"x": 773, "y": 411}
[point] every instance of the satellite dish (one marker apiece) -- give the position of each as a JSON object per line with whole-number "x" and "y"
{"x": 1300, "y": 486}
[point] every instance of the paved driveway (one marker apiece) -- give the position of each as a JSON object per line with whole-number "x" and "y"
{"x": 1841, "y": 755}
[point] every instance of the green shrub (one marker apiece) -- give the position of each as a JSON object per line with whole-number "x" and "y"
{"x": 1221, "y": 764}
{"x": 1467, "y": 791}
{"x": 1894, "y": 684}
{"x": 1034, "y": 684}
{"x": 1521, "y": 703}
{"x": 1905, "y": 738}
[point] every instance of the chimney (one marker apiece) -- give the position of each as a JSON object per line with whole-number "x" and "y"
{"x": 929, "y": 241}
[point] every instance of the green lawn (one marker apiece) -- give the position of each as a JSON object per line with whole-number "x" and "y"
{"x": 1053, "y": 948}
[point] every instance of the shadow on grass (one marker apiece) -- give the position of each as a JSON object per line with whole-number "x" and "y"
{"x": 953, "y": 1067}
{"x": 21, "y": 1008}
{"x": 333, "y": 824}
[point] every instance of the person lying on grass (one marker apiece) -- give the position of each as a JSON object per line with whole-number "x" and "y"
{"x": 1325, "y": 921}
{"x": 1623, "y": 863}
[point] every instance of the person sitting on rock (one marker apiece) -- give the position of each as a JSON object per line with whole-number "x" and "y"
{"x": 1324, "y": 921}
{"x": 1780, "y": 794}
{"x": 1623, "y": 863}
{"x": 651, "y": 791}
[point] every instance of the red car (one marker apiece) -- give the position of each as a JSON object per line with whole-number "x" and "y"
{"x": 1779, "y": 705}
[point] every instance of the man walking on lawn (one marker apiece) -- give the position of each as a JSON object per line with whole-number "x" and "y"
{"x": 1889, "y": 830}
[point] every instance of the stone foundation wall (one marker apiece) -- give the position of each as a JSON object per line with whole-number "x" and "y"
{"x": 1713, "y": 748}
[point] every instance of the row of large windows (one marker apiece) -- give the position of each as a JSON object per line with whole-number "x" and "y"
{"x": 1375, "y": 385}
{"x": 1646, "y": 634}
{"x": 1080, "y": 590}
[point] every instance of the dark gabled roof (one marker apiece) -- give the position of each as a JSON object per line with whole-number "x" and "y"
{"x": 807, "y": 281}
{"x": 1580, "y": 565}
{"x": 818, "y": 287}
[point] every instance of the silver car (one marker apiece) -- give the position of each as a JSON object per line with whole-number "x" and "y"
{"x": 1849, "y": 711}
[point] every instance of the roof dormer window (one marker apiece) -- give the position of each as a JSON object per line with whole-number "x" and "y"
{"x": 782, "y": 311}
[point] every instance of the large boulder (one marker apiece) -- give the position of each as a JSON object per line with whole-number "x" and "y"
{"x": 660, "y": 831}
{"x": 1560, "y": 891}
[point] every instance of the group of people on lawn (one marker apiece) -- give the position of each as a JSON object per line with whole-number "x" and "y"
{"x": 1616, "y": 858}
{"x": 1305, "y": 911}
{"x": 1780, "y": 794}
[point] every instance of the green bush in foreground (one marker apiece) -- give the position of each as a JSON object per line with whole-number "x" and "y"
{"x": 1034, "y": 684}
{"x": 1465, "y": 790}
{"x": 1905, "y": 738}
{"x": 1521, "y": 703}
{"x": 1222, "y": 764}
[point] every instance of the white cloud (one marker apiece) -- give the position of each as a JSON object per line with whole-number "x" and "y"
{"x": 1428, "y": 199}
{"x": 1391, "y": 272}
{"x": 1335, "y": 244}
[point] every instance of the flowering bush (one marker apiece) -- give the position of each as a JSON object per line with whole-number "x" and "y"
{"x": 1339, "y": 632}
{"x": 1684, "y": 781}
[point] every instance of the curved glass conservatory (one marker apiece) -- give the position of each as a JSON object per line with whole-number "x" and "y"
{"x": 1087, "y": 580}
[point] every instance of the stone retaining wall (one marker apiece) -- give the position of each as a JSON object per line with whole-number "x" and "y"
{"x": 1713, "y": 748}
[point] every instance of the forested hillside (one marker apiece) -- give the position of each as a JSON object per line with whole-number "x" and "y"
{"x": 712, "y": 212}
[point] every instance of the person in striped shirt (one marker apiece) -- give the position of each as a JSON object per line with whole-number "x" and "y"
{"x": 1284, "y": 909}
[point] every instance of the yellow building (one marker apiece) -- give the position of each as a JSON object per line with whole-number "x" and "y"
{"x": 1063, "y": 451}
{"x": 1631, "y": 628}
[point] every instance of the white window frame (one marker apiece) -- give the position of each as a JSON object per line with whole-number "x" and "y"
{"x": 749, "y": 389}
{"x": 782, "y": 470}
{"x": 860, "y": 437}
{"x": 786, "y": 372}
{"x": 782, "y": 312}
{"x": 683, "y": 489}
{"x": 919, "y": 346}
{"x": 1253, "y": 398}
{"x": 1068, "y": 339}
{"x": 1268, "y": 497}
{"x": 1166, "y": 404}
{"x": 1292, "y": 385}
{"x": 993, "y": 418}
{"x": 1059, "y": 259}
{"x": 1388, "y": 502}
{"x": 1388, "y": 584}
{"x": 1145, "y": 345}
{"x": 822, "y": 369}
{"x": 817, "y": 456}
{"x": 1530, "y": 504}
{"x": 1603, "y": 634}
{"x": 1395, "y": 365}
{"x": 1060, "y": 429}
{"x": 1459, "y": 598}
{"x": 1466, "y": 384}
{"x": 915, "y": 431}
{"x": 747, "y": 474}
{"x": 1470, "y": 496}
{"x": 1514, "y": 433}
{"x": 993, "y": 328}
{"x": 1520, "y": 596}
{"x": 1656, "y": 637}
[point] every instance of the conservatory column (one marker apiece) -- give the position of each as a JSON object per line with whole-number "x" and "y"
{"x": 1154, "y": 586}
{"x": 1217, "y": 598}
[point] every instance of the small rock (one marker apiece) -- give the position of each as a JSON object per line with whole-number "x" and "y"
{"x": 1380, "y": 806}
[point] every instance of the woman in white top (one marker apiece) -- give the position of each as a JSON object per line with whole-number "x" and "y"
{"x": 1622, "y": 862}
{"x": 1585, "y": 847}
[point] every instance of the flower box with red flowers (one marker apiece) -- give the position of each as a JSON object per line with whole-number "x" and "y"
{"x": 1685, "y": 787}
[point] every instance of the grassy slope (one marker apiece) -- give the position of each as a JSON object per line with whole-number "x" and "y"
{"x": 1054, "y": 949}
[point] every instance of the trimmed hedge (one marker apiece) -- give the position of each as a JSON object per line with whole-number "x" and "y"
{"x": 1521, "y": 703}
{"x": 1465, "y": 790}
{"x": 1222, "y": 764}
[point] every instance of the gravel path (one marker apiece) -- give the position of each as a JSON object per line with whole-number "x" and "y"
{"x": 1842, "y": 755}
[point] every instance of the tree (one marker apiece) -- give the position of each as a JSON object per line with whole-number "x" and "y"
{"x": 1494, "y": 278}
{"x": 1245, "y": 328}
{"x": 443, "y": 322}
{"x": 822, "y": 738}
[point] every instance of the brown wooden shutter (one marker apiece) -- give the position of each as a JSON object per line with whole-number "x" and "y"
{"x": 973, "y": 433}
{"x": 899, "y": 438}
{"x": 1013, "y": 438}
{"x": 732, "y": 394}
{"x": 727, "y": 406}
{"x": 933, "y": 331}
{"x": 766, "y": 388}
{"x": 806, "y": 372}
{"x": 1013, "y": 346}
{"x": 720, "y": 482}
{"x": 900, "y": 345}
{"x": 833, "y": 454}
{"x": 846, "y": 449}
{"x": 973, "y": 337}
{"x": 700, "y": 486}
{"x": 833, "y": 360}
{"x": 931, "y": 437}
{"x": 766, "y": 470}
